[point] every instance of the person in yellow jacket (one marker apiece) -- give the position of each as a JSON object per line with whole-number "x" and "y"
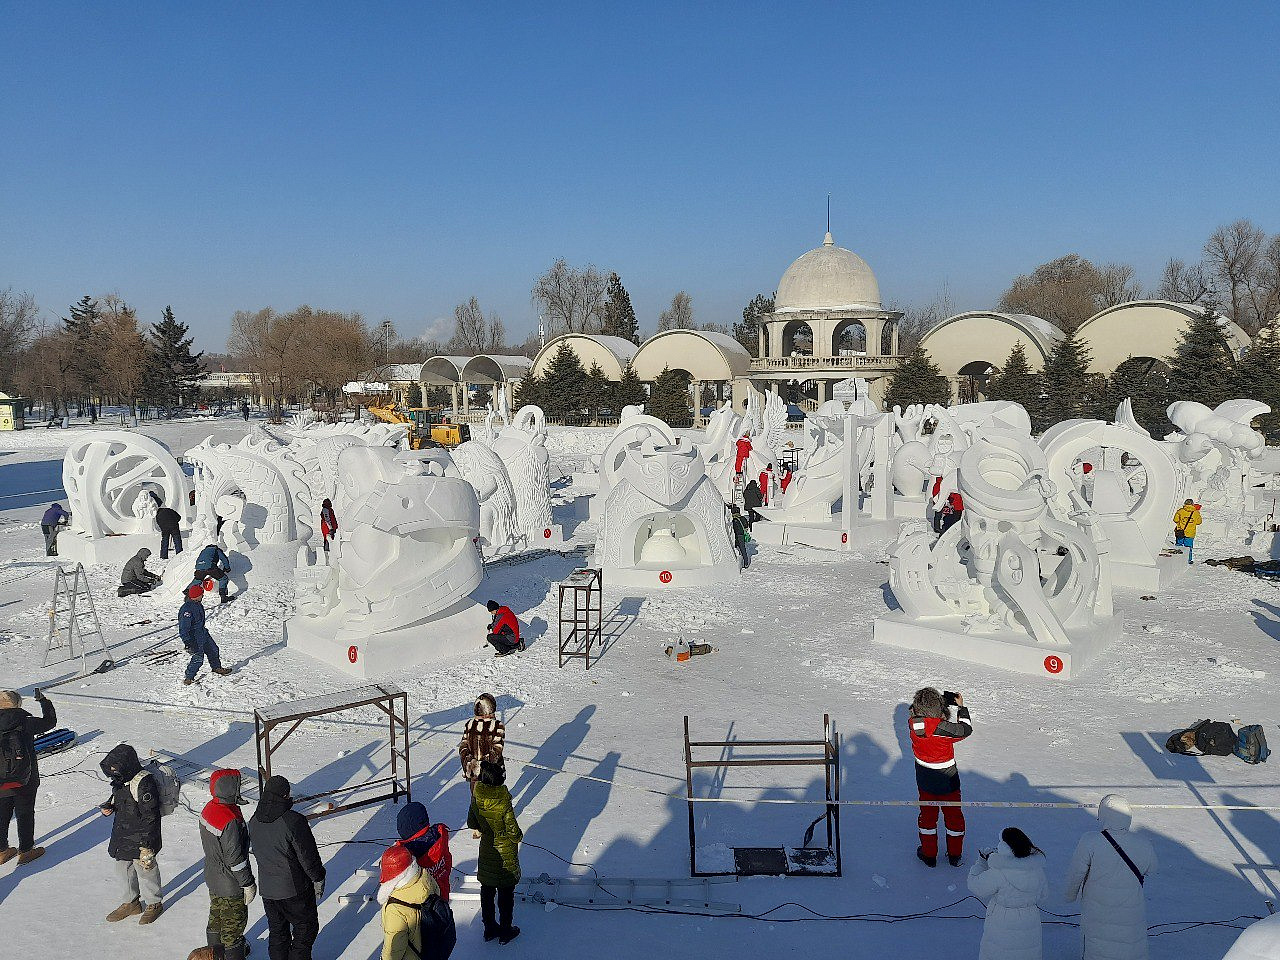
{"x": 1185, "y": 522}
{"x": 402, "y": 886}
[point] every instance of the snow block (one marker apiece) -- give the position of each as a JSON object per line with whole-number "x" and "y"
{"x": 824, "y": 536}
{"x": 1007, "y": 650}
{"x": 76, "y": 546}
{"x": 453, "y": 633}
{"x": 1149, "y": 578}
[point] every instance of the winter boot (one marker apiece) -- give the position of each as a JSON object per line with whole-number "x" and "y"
{"x": 35, "y": 853}
{"x": 927, "y": 861}
{"x": 188, "y": 681}
{"x": 202, "y": 953}
{"x": 492, "y": 932}
{"x": 223, "y": 671}
{"x": 508, "y": 934}
{"x": 131, "y": 909}
{"x": 7, "y": 854}
{"x": 953, "y": 859}
{"x": 151, "y": 914}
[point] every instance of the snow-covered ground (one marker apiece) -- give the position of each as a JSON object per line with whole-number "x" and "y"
{"x": 794, "y": 641}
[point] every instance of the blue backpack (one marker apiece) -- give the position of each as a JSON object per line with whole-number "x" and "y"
{"x": 1251, "y": 744}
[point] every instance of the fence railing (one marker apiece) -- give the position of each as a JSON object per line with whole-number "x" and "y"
{"x": 837, "y": 363}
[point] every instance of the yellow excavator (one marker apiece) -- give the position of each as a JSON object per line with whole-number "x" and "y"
{"x": 426, "y": 424}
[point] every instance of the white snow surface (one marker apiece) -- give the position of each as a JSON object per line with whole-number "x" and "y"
{"x": 794, "y": 642}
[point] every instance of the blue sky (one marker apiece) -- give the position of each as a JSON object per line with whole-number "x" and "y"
{"x": 399, "y": 158}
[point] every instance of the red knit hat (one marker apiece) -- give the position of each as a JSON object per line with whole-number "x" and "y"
{"x": 399, "y": 869}
{"x": 195, "y": 591}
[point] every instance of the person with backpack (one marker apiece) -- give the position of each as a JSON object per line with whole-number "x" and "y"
{"x": 751, "y": 502}
{"x": 170, "y": 523}
{"x": 227, "y": 873}
{"x": 213, "y": 564}
{"x": 1107, "y": 873}
{"x": 428, "y": 842}
{"x": 135, "y": 804}
{"x": 935, "y": 724}
{"x": 1010, "y": 880}
{"x": 498, "y": 863}
{"x": 328, "y": 523}
{"x": 196, "y": 638}
{"x": 1185, "y": 522}
{"x": 20, "y": 773}
{"x": 504, "y": 630}
{"x": 740, "y": 536}
{"x": 416, "y": 923}
{"x": 290, "y": 872}
{"x": 483, "y": 737}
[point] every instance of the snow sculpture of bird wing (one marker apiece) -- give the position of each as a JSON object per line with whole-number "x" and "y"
{"x": 773, "y": 424}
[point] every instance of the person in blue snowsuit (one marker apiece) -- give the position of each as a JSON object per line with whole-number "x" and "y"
{"x": 54, "y": 519}
{"x": 195, "y": 636}
{"x": 213, "y": 564}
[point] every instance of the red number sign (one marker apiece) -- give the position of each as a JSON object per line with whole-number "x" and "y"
{"x": 546, "y": 533}
{"x": 353, "y": 654}
{"x": 844, "y": 538}
{"x": 665, "y": 576}
{"x": 1053, "y": 664}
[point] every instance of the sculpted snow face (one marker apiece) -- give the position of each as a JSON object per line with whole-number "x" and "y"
{"x": 521, "y": 446}
{"x": 484, "y": 470}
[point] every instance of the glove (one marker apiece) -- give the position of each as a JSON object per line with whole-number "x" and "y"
{"x": 250, "y": 893}
{"x": 319, "y": 885}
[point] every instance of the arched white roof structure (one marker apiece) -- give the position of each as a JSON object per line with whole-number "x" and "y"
{"x": 704, "y": 354}
{"x": 442, "y": 371}
{"x": 1145, "y": 328}
{"x": 611, "y": 353}
{"x": 491, "y": 368}
{"x": 827, "y": 278}
{"x": 981, "y": 336}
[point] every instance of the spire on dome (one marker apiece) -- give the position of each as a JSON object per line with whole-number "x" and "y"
{"x": 828, "y": 240}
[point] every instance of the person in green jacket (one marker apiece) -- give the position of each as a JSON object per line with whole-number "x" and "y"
{"x": 494, "y": 821}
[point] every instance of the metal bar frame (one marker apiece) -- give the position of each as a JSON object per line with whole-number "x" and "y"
{"x": 588, "y": 604}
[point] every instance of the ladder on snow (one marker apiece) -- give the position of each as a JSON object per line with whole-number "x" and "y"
{"x": 73, "y": 621}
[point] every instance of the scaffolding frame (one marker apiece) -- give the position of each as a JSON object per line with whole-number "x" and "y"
{"x": 585, "y": 587}
{"x": 72, "y": 605}
{"x": 828, "y": 759}
{"x": 386, "y": 697}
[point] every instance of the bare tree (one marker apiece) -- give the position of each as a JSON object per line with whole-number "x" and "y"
{"x": 18, "y": 321}
{"x": 1116, "y": 285}
{"x": 473, "y": 333}
{"x": 1234, "y": 256}
{"x": 678, "y": 316}
{"x": 1069, "y": 290}
{"x": 1186, "y": 283}
{"x": 571, "y": 298}
{"x": 124, "y": 350}
{"x": 917, "y": 320}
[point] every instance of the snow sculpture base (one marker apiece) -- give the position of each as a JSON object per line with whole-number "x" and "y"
{"x": 76, "y": 546}
{"x": 455, "y": 632}
{"x": 1004, "y": 649}
{"x": 824, "y": 536}
{"x": 1149, "y": 577}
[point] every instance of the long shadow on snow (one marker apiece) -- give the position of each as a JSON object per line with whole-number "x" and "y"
{"x": 88, "y": 830}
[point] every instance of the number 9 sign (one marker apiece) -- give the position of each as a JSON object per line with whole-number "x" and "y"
{"x": 1053, "y": 664}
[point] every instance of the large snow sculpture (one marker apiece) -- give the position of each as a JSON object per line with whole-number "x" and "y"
{"x": 522, "y": 448}
{"x": 110, "y": 480}
{"x": 499, "y": 522}
{"x": 1012, "y": 585}
{"x": 633, "y": 427}
{"x": 399, "y": 591}
{"x": 1217, "y": 447}
{"x": 1137, "y": 518}
{"x": 273, "y": 485}
{"x": 664, "y": 523}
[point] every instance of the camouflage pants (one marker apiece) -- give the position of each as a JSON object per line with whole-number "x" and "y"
{"x": 228, "y": 917}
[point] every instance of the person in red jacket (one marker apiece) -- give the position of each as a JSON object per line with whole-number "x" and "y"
{"x": 766, "y": 485}
{"x": 428, "y": 842}
{"x": 504, "y": 630}
{"x": 744, "y": 451}
{"x": 328, "y": 522}
{"x": 950, "y": 513}
{"x": 934, "y": 726}
{"x": 786, "y": 480}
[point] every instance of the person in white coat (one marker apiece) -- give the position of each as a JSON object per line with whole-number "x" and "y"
{"x": 1010, "y": 880}
{"x": 1107, "y": 873}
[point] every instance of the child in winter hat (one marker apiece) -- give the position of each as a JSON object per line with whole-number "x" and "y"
{"x": 399, "y": 869}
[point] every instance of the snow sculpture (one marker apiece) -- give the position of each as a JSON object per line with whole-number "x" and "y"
{"x": 664, "y": 523}
{"x": 1217, "y": 446}
{"x": 1012, "y": 585}
{"x": 398, "y": 593}
{"x": 633, "y": 427}
{"x": 522, "y": 448}
{"x": 500, "y": 531}
{"x": 1137, "y": 522}
{"x": 278, "y": 502}
{"x": 110, "y": 479}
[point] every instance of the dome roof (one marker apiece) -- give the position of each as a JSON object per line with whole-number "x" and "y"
{"x": 828, "y": 278}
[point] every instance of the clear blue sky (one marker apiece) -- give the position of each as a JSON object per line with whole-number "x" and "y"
{"x": 399, "y": 158}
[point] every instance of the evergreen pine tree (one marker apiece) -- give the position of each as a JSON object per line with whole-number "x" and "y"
{"x": 629, "y": 391}
{"x": 669, "y": 398}
{"x": 1202, "y": 367}
{"x": 619, "y": 315}
{"x": 1146, "y": 384}
{"x": 917, "y": 380}
{"x": 747, "y": 332}
{"x": 1016, "y": 381}
{"x": 415, "y": 394}
{"x": 1068, "y": 390}
{"x": 83, "y": 327}
{"x": 173, "y": 370}
{"x": 529, "y": 391}
{"x": 564, "y": 392}
{"x": 598, "y": 391}
{"x": 1258, "y": 374}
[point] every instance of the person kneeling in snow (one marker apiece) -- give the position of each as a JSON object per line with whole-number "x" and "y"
{"x": 136, "y": 578}
{"x": 227, "y": 873}
{"x": 428, "y": 842}
{"x": 1010, "y": 880}
{"x": 504, "y": 630}
{"x": 1107, "y": 874}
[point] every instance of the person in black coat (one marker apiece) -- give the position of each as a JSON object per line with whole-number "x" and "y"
{"x": 751, "y": 500}
{"x": 290, "y": 872}
{"x": 20, "y": 773}
{"x": 170, "y": 523}
{"x": 135, "y": 834}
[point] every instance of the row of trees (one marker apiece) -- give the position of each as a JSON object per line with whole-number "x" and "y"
{"x": 567, "y": 389}
{"x": 1202, "y": 368}
{"x": 98, "y": 353}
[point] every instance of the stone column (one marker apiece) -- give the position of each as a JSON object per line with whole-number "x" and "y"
{"x": 696, "y": 387}
{"x": 510, "y": 389}
{"x": 894, "y": 336}
{"x": 824, "y": 388}
{"x": 466, "y": 398}
{"x": 764, "y": 339}
{"x": 955, "y": 389}
{"x": 875, "y": 335}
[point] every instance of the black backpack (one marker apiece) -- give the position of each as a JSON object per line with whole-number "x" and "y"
{"x": 435, "y": 927}
{"x": 15, "y": 761}
{"x": 1212, "y": 738}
